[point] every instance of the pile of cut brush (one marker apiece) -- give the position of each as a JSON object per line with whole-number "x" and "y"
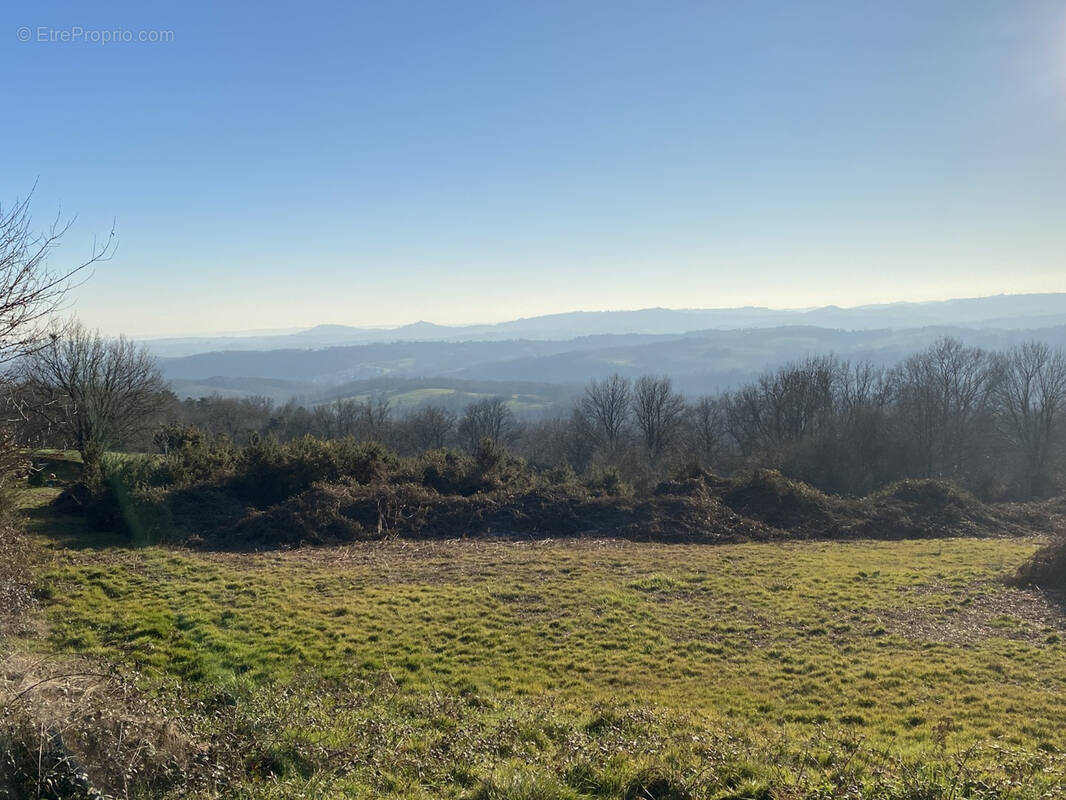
{"x": 314, "y": 493}
{"x": 330, "y": 513}
{"x": 760, "y": 506}
{"x": 1046, "y": 568}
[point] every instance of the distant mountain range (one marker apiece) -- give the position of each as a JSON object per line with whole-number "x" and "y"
{"x": 1007, "y": 312}
{"x": 542, "y": 374}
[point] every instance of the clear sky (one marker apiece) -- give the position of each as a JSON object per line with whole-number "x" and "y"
{"x": 284, "y": 164}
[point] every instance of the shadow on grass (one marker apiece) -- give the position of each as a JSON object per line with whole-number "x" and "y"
{"x": 57, "y": 526}
{"x": 59, "y": 465}
{"x": 71, "y": 531}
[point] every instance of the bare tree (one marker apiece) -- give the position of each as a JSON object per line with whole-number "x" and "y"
{"x": 429, "y": 428}
{"x": 289, "y": 421}
{"x": 30, "y": 293}
{"x": 798, "y": 400}
{"x": 99, "y": 392}
{"x": 324, "y": 422}
{"x": 658, "y": 411}
{"x": 943, "y": 396}
{"x": 16, "y": 431}
{"x": 867, "y": 453}
{"x": 549, "y": 443}
{"x": 238, "y": 418}
{"x": 580, "y": 440}
{"x": 347, "y": 413}
{"x": 706, "y": 435}
{"x": 30, "y": 289}
{"x": 605, "y": 410}
{"x": 743, "y": 412}
{"x": 487, "y": 419}
{"x": 1031, "y": 397}
{"x": 374, "y": 420}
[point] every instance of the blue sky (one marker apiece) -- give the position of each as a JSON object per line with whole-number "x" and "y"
{"x": 280, "y": 164}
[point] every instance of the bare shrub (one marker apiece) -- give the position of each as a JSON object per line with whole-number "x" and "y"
{"x": 75, "y": 730}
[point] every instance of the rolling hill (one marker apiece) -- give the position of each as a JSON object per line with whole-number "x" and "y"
{"x": 1001, "y": 311}
{"x": 699, "y": 362}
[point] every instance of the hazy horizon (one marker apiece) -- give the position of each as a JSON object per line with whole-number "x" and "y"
{"x": 498, "y": 321}
{"x": 373, "y": 164}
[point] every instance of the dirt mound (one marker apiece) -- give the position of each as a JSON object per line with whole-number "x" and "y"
{"x": 335, "y": 513}
{"x": 762, "y": 506}
{"x": 446, "y": 495}
{"x": 928, "y": 492}
{"x": 1046, "y": 568}
{"x": 926, "y": 508}
{"x": 696, "y": 514}
{"x": 771, "y": 498}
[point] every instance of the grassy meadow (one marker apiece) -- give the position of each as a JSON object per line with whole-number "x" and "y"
{"x": 577, "y": 668}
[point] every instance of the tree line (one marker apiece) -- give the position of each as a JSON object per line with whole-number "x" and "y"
{"x": 991, "y": 421}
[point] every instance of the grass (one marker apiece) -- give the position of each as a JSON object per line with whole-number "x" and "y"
{"x": 789, "y": 635}
{"x": 408, "y": 399}
{"x": 576, "y": 669}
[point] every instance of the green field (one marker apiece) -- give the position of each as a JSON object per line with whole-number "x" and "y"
{"x": 415, "y": 398}
{"x": 561, "y": 669}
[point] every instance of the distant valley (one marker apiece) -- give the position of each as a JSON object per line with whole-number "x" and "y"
{"x": 546, "y": 360}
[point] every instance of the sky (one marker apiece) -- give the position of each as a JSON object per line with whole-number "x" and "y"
{"x": 278, "y": 165}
